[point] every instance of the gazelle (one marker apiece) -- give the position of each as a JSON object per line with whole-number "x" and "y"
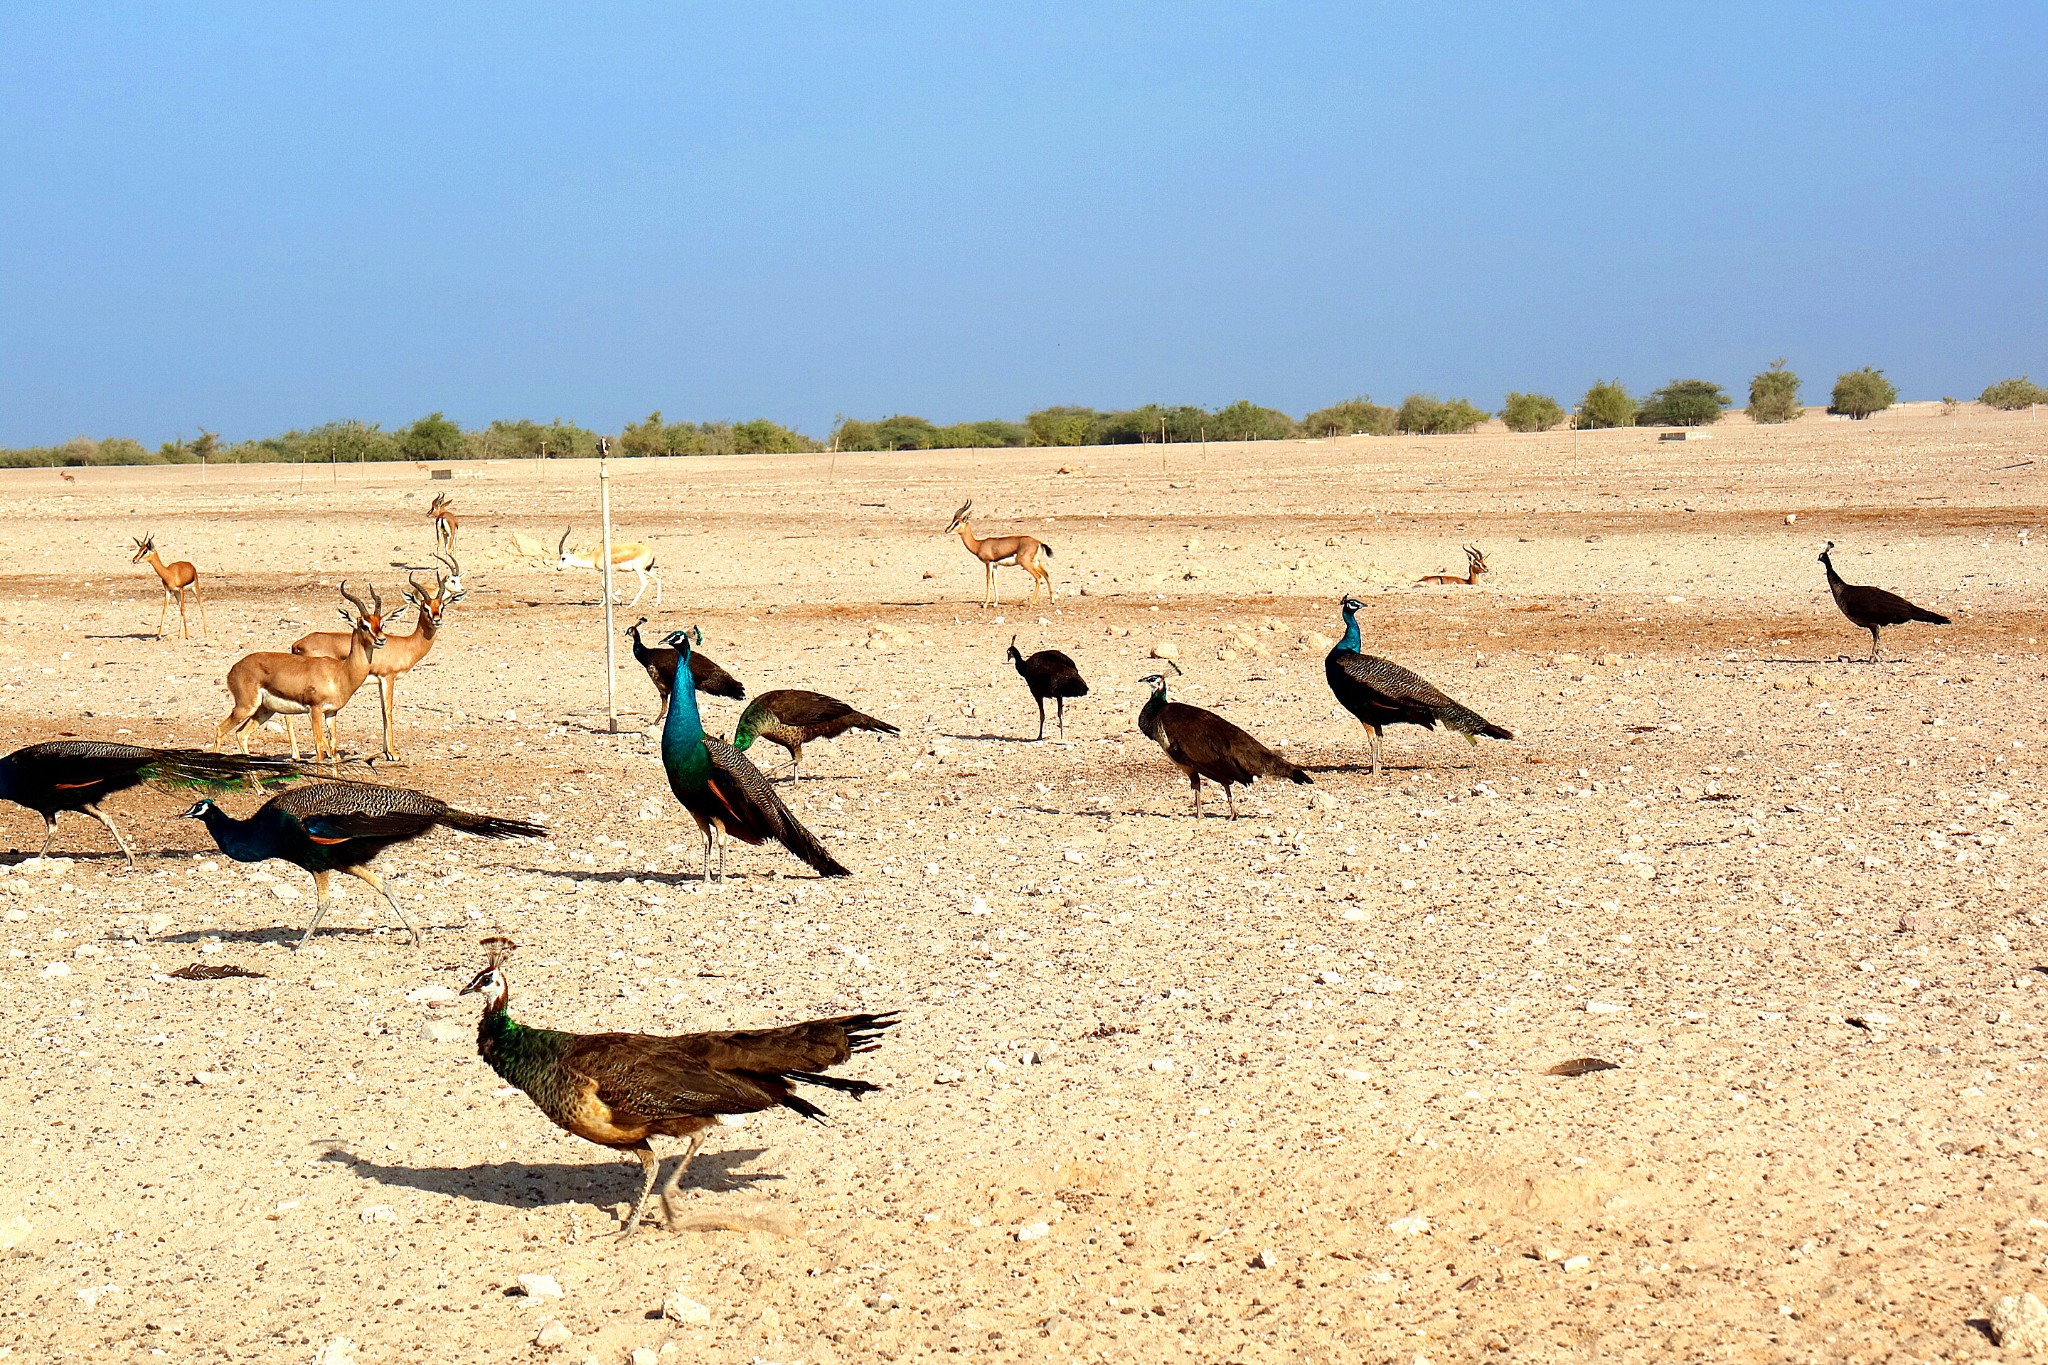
{"x": 1021, "y": 551}
{"x": 266, "y": 685}
{"x": 176, "y": 578}
{"x": 638, "y": 558}
{"x": 1475, "y": 565}
{"x": 401, "y": 652}
{"x": 442, "y": 514}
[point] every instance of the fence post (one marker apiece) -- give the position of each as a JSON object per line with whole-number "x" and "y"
{"x": 604, "y": 500}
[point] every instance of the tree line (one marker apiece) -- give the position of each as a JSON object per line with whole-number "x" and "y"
{"x": 1773, "y": 398}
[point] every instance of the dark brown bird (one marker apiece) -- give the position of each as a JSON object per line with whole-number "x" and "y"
{"x": 1873, "y": 608}
{"x": 1203, "y": 744}
{"x": 329, "y": 827}
{"x": 1049, "y": 673}
{"x": 660, "y": 663}
{"x": 793, "y": 718}
{"x": 78, "y": 774}
{"x": 620, "y": 1089}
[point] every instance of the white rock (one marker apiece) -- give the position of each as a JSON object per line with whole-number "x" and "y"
{"x": 208, "y": 1077}
{"x": 1165, "y": 649}
{"x": 445, "y": 1031}
{"x": 540, "y": 1286}
{"x": 14, "y": 1230}
{"x": 1330, "y": 978}
{"x": 1031, "y": 1232}
{"x": 1163, "y": 1064}
{"x": 1603, "y": 1007}
{"x": 1414, "y": 1225}
{"x": 284, "y": 891}
{"x": 644, "y": 1355}
{"x": 977, "y": 906}
{"x": 947, "y": 1075}
{"x": 1352, "y": 1074}
{"x": 2019, "y": 1322}
{"x": 56, "y": 969}
{"x": 421, "y": 995}
{"x": 336, "y": 1351}
{"x": 1577, "y": 1262}
{"x": 377, "y": 1213}
{"x": 1266, "y": 1260}
{"x": 553, "y": 1333}
{"x": 680, "y": 1307}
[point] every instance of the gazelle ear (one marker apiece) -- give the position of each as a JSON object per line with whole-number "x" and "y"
{"x": 342, "y": 612}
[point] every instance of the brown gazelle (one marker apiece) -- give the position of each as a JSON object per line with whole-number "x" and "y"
{"x": 400, "y": 652}
{"x": 442, "y": 514}
{"x": 1475, "y": 565}
{"x": 1022, "y": 551}
{"x": 268, "y": 684}
{"x": 176, "y": 578}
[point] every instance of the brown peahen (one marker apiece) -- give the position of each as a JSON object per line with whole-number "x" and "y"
{"x": 1203, "y": 744}
{"x": 792, "y": 718}
{"x": 1873, "y": 608}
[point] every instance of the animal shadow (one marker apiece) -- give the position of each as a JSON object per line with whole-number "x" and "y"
{"x": 537, "y": 1184}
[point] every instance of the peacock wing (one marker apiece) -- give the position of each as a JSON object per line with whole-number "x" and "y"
{"x": 793, "y": 706}
{"x": 1387, "y": 678}
{"x": 80, "y": 763}
{"x": 738, "y": 791}
{"x": 638, "y": 1076}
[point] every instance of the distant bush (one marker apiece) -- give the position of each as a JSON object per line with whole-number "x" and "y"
{"x": 526, "y": 440}
{"x": 1424, "y": 414}
{"x": 1068, "y": 426}
{"x": 1354, "y": 417}
{"x": 983, "y": 435}
{"x": 763, "y": 437}
{"x": 1531, "y": 412}
{"x": 1683, "y": 403}
{"x": 1862, "y": 392}
{"x": 433, "y": 437}
{"x": 1246, "y": 421}
{"x": 1774, "y": 395}
{"x": 2013, "y": 395}
{"x": 1949, "y": 406}
{"x": 1606, "y": 405}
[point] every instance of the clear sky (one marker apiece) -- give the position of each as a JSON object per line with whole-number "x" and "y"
{"x": 254, "y": 217}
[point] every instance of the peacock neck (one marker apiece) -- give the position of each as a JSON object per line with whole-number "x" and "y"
{"x": 682, "y": 734}
{"x": 1350, "y": 640}
{"x": 231, "y": 836}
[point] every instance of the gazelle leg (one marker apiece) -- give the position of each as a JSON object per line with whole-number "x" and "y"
{"x": 321, "y": 743}
{"x": 643, "y": 588}
{"x": 651, "y": 1164}
{"x": 377, "y": 884}
{"x": 388, "y": 690}
{"x": 96, "y": 813}
{"x": 657, "y": 587}
{"x": 320, "y": 885}
{"x": 668, "y": 1186}
{"x": 184, "y": 626}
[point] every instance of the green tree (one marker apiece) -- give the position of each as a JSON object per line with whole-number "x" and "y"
{"x": 348, "y": 442}
{"x": 763, "y": 437}
{"x": 644, "y": 438}
{"x": 904, "y": 432}
{"x": 1606, "y": 405}
{"x": 1683, "y": 403}
{"x": 1862, "y": 392}
{"x": 1354, "y": 417}
{"x": 1531, "y": 412}
{"x": 206, "y": 445}
{"x": 1424, "y": 414}
{"x": 1774, "y": 394}
{"x": 1063, "y": 426}
{"x": 983, "y": 435}
{"x": 1247, "y": 421}
{"x": 2013, "y": 395}
{"x": 433, "y": 437}
{"x": 853, "y": 434}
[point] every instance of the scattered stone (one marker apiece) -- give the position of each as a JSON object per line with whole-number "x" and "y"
{"x": 1791, "y": 517}
{"x": 1603, "y": 1007}
{"x": 14, "y": 1230}
{"x": 336, "y": 1351}
{"x": 977, "y": 906}
{"x": 1581, "y": 1066}
{"x": 377, "y": 1213}
{"x": 208, "y": 1077}
{"x": 56, "y": 969}
{"x": 445, "y": 1031}
{"x": 1914, "y": 922}
{"x": 2019, "y": 1322}
{"x": 1414, "y": 1225}
{"x": 553, "y": 1334}
{"x": 1031, "y": 1232}
{"x": 680, "y": 1307}
{"x": 1266, "y": 1260}
{"x": 540, "y": 1286}
{"x": 1870, "y": 1019}
{"x": 1353, "y": 1074}
{"x": 1163, "y": 1064}
{"x": 644, "y": 1355}
{"x": 1577, "y": 1262}
{"x": 948, "y": 1076}
{"x": 284, "y": 891}
{"x": 1315, "y": 642}
{"x": 1546, "y": 1251}
{"x": 427, "y": 995}
{"x": 1165, "y": 649}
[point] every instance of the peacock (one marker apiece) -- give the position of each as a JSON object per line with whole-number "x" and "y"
{"x": 620, "y": 1089}
{"x": 660, "y": 663}
{"x": 1380, "y": 693}
{"x": 722, "y": 789}
{"x": 1049, "y": 673}
{"x": 1203, "y": 744}
{"x": 1873, "y": 608}
{"x": 329, "y": 827}
{"x": 78, "y": 774}
{"x": 793, "y": 718}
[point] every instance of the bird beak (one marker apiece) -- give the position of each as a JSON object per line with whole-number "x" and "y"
{"x": 476, "y": 985}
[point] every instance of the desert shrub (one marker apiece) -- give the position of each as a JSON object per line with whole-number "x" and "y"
{"x": 1424, "y": 414}
{"x": 1063, "y": 426}
{"x": 32, "y": 457}
{"x": 1531, "y": 412}
{"x": 850, "y": 433}
{"x": 1247, "y": 421}
{"x": 1949, "y": 406}
{"x": 1353, "y": 417}
{"x": 524, "y": 440}
{"x": 1683, "y": 403}
{"x": 983, "y": 435}
{"x": 1861, "y": 392}
{"x": 1606, "y": 404}
{"x": 345, "y": 442}
{"x": 763, "y": 437}
{"x": 1774, "y": 394}
{"x": 2013, "y": 395}
{"x": 433, "y": 437}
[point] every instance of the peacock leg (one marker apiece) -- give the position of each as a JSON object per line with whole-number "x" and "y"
{"x": 1041, "y": 716}
{"x": 1060, "y": 704}
{"x": 724, "y": 839}
{"x": 49, "y": 833}
{"x": 377, "y": 884}
{"x": 670, "y": 1219}
{"x": 96, "y": 813}
{"x": 1873, "y": 644}
{"x": 704, "y": 827}
{"x": 1195, "y": 781}
{"x": 1372, "y": 744}
{"x": 320, "y": 880}
{"x": 652, "y": 1165}
{"x": 1230, "y": 799}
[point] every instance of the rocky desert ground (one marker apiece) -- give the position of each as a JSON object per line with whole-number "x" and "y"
{"x": 1283, "y": 1089}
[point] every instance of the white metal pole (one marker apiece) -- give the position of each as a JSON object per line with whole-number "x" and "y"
{"x": 604, "y": 501}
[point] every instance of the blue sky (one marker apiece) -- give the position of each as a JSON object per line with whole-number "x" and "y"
{"x": 255, "y": 217}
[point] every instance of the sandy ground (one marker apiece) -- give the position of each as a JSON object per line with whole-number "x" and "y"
{"x": 1275, "y": 1090}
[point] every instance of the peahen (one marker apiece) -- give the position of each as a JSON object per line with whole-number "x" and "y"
{"x": 722, "y": 789}
{"x": 329, "y": 827}
{"x": 1203, "y": 744}
{"x": 660, "y": 663}
{"x": 1380, "y": 693}
{"x": 78, "y": 774}
{"x": 792, "y": 717}
{"x": 1049, "y": 673}
{"x": 620, "y": 1089}
{"x": 1873, "y": 608}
